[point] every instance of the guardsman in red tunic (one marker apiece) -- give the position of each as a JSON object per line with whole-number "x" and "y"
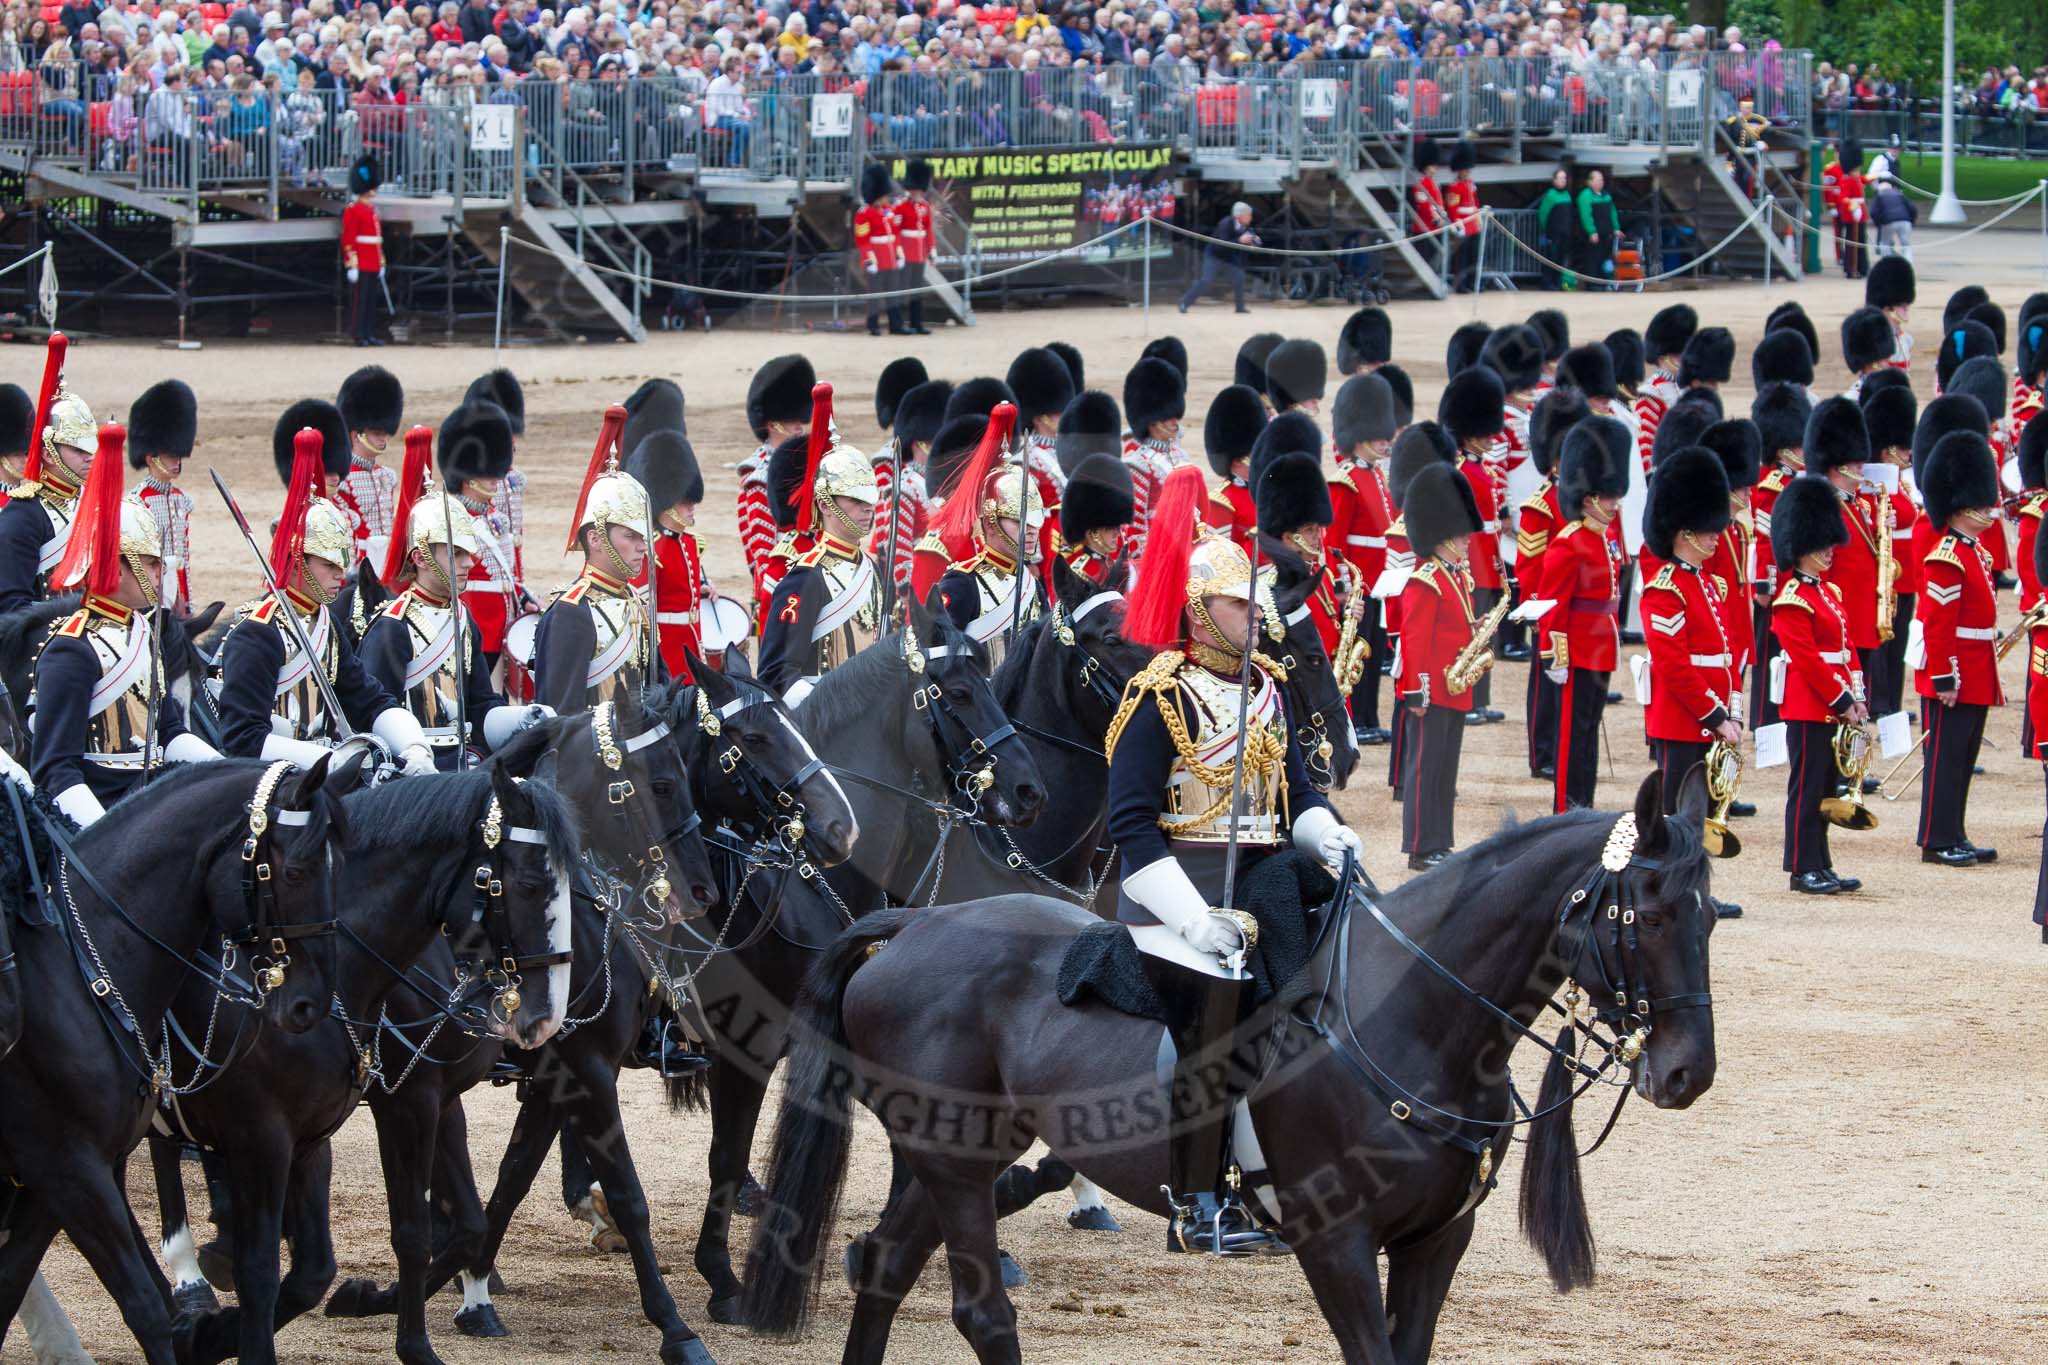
{"x": 1438, "y": 617}
{"x": 163, "y": 426}
{"x": 1889, "y": 413}
{"x": 952, "y": 449}
{"x": 1363, "y": 422}
{"x": 1851, "y": 212}
{"x": 1890, "y": 288}
{"x": 1581, "y": 636}
{"x": 1537, "y": 522}
{"x": 1728, "y": 569}
{"x": 1236, "y": 417}
{"x": 1043, "y": 388}
{"x": 914, "y": 236}
{"x": 1461, "y": 202}
{"x": 1155, "y": 400}
{"x": 1665, "y": 339}
{"x": 1866, "y": 346}
{"x": 894, "y": 384}
{"x": 2037, "y": 722}
{"x": 1958, "y": 680}
{"x": 904, "y": 512}
{"x": 664, "y": 464}
{"x": 1818, "y": 691}
{"x": 1780, "y": 412}
{"x": 1093, "y": 515}
{"x": 1425, "y": 196}
{"x": 1294, "y": 521}
{"x": 874, "y": 247}
{"x": 372, "y": 406}
{"x": 362, "y": 249}
{"x": 1472, "y": 410}
{"x": 1837, "y": 445}
{"x": 1419, "y": 446}
{"x": 778, "y": 408}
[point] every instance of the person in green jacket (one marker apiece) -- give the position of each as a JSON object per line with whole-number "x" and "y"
{"x": 1601, "y": 228}
{"x": 1558, "y": 225}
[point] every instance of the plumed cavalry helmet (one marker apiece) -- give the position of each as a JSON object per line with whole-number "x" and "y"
{"x": 309, "y": 527}
{"x": 834, "y": 469}
{"x": 1178, "y": 573}
{"x": 425, "y": 520}
{"x": 610, "y": 496}
{"x": 107, "y": 529}
{"x": 71, "y": 424}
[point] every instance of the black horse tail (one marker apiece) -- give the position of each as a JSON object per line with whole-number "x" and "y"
{"x": 1554, "y": 1215}
{"x": 690, "y": 1093}
{"x": 813, "y": 1135}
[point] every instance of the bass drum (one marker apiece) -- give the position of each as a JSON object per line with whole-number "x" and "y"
{"x": 726, "y": 626}
{"x": 518, "y": 657}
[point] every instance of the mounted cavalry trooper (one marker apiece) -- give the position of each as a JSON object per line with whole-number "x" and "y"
{"x": 36, "y": 523}
{"x": 828, "y": 607}
{"x": 988, "y": 593}
{"x": 99, "y": 686}
{"x": 322, "y": 417}
{"x": 410, "y": 647}
{"x": 163, "y": 426}
{"x": 372, "y": 406}
{"x": 271, "y": 703}
{"x": 1176, "y": 759}
{"x": 595, "y": 641}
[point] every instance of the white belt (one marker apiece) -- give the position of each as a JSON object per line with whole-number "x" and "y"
{"x": 1976, "y": 633}
{"x": 1490, "y": 527}
{"x": 878, "y": 241}
{"x": 912, "y": 232}
{"x": 378, "y": 238}
{"x": 1902, "y": 533}
{"x": 1837, "y": 656}
{"x": 1710, "y": 661}
{"x": 675, "y": 618}
{"x": 1369, "y": 542}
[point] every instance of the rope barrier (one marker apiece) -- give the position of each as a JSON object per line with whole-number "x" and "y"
{"x": 1694, "y": 264}
{"x": 1431, "y": 234}
{"x": 45, "y": 249}
{"x": 1932, "y": 247}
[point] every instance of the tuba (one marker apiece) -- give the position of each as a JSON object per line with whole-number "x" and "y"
{"x": 1475, "y": 658}
{"x": 1854, "y": 749}
{"x": 1724, "y": 779}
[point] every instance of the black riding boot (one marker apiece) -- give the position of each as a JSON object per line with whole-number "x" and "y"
{"x": 1203, "y": 1012}
{"x": 663, "y": 1048}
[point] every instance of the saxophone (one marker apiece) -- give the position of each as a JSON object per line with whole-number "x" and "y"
{"x": 1887, "y": 569}
{"x": 1476, "y": 657}
{"x": 1348, "y": 659}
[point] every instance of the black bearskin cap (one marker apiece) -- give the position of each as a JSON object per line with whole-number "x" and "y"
{"x": 1670, "y": 330}
{"x": 1236, "y": 417}
{"x": 1963, "y": 342}
{"x": 1590, "y": 370}
{"x": 1043, "y": 385}
{"x": 1960, "y": 303}
{"x": 364, "y": 173}
{"x": 372, "y": 399}
{"x": 475, "y": 442}
{"x": 1075, "y": 365}
{"x": 1866, "y": 338}
{"x": 1169, "y": 349}
{"x": 163, "y": 421}
{"x": 1889, "y": 283}
{"x": 1427, "y": 153}
{"x": 1780, "y": 412}
{"x": 1806, "y": 517}
{"x": 1948, "y": 413}
{"x": 1790, "y": 317}
{"x": 1464, "y": 156}
{"x": 1404, "y": 392}
{"x": 501, "y": 386}
{"x": 1555, "y": 413}
{"x": 1961, "y": 474}
{"x": 1090, "y": 426}
{"x": 1690, "y": 493}
{"x": 666, "y": 467}
{"x": 1888, "y": 417}
{"x": 1626, "y": 346}
{"x": 2034, "y": 303}
{"x": 1555, "y": 330}
{"x": 978, "y": 397}
{"x": 786, "y": 469}
{"x": 874, "y": 184}
{"x": 1290, "y": 433}
{"x": 1708, "y": 358}
{"x": 2033, "y": 454}
{"x": 922, "y": 412}
{"x": 1684, "y": 425}
{"x": 1473, "y": 405}
{"x": 1415, "y": 449}
{"x": 1890, "y": 377}
{"x": 323, "y": 417}
{"x": 951, "y": 448}
{"x": 18, "y": 417}
{"x": 1836, "y": 436}
{"x": 1440, "y": 505}
{"x": 1297, "y": 371}
{"x": 656, "y": 405}
{"x": 1466, "y": 346}
{"x": 1367, "y": 338}
{"x": 1993, "y": 318}
{"x": 1364, "y": 411}
{"x": 1250, "y": 369}
{"x": 1782, "y": 357}
{"x": 1098, "y": 497}
{"x": 2031, "y": 359}
{"x": 780, "y": 391}
{"x": 1983, "y": 379}
{"x": 1516, "y": 354}
{"x": 1593, "y": 461}
{"x": 898, "y": 378}
{"x": 1292, "y": 493}
{"x": 1154, "y": 391}
{"x": 918, "y": 176}
{"x": 1741, "y": 449}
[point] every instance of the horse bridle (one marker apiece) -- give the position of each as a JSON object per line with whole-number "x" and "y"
{"x": 265, "y": 938}
{"x": 1094, "y": 675}
{"x": 487, "y": 910}
{"x": 967, "y": 773}
{"x": 1312, "y": 734}
{"x": 780, "y": 802}
{"x": 650, "y": 856}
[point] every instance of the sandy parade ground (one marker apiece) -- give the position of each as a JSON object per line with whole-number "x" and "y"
{"x": 1854, "y": 1187}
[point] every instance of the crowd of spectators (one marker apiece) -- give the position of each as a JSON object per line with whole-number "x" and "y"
{"x": 1997, "y": 94}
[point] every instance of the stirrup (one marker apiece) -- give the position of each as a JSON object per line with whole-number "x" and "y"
{"x": 1217, "y": 1227}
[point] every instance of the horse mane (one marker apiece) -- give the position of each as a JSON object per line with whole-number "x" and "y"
{"x": 444, "y": 810}
{"x": 844, "y": 697}
{"x": 1016, "y": 664}
{"x": 16, "y": 887}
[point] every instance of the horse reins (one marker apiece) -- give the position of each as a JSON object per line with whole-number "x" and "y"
{"x": 651, "y": 856}
{"x": 267, "y": 939}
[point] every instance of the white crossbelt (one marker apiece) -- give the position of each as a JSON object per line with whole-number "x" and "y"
{"x": 1710, "y": 661}
{"x": 1976, "y": 633}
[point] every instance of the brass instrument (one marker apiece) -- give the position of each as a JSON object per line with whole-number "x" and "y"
{"x": 1885, "y": 781}
{"x": 1887, "y": 570}
{"x": 1477, "y": 655}
{"x": 1724, "y": 778}
{"x": 1855, "y": 748}
{"x": 1348, "y": 659}
{"x": 2032, "y": 617}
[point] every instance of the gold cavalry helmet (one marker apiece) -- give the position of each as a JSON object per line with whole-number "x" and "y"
{"x": 615, "y": 499}
{"x": 845, "y": 472}
{"x": 430, "y": 523}
{"x": 141, "y": 537}
{"x": 1219, "y": 568}
{"x": 71, "y": 423}
{"x": 328, "y": 536}
{"x": 1011, "y": 492}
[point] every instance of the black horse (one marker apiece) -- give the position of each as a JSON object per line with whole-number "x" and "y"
{"x": 741, "y": 750}
{"x": 1377, "y": 1079}
{"x": 249, "y": 849}
{"x": 481, "y": 856}
{"x": 23, "y": 630}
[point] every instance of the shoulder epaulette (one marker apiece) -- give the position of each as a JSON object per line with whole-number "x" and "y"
{"x": 573, "y": 593}
{"x": 965, "y": 565}
{"x": 1426, "y": 573}
{"x": 395, "y": 608}
{"x": 1535, "y": 503}
{"x": 810, "y": 558}
{"x": 1570, "y": 528}
{"x": 1153, "y": 678}
{"x": 1340, "y": 476}
{"x": 1221, "y": 499}
{"x": 1666, "y": 578}
{"x": 1944, "y": 552}
{"x": 1776, "y": 479}
{"x": 930, "y": 543}
{"x": 1789, "y": 596}
{"x": 2035, "y": 505}
{"x": 261, "y": 611}
{"x": 25, "y": 492}
{"x": 1834, "y": 588}
{"x": 73, "y": 625}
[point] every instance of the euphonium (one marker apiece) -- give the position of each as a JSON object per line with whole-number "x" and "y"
{"x": 1854, "y": 750}
{"x": 2033, "y": 616}
{"x": 1724, "y": 779}
{"x": 1476, "y": 657}
{"x": 1887, "y": 570}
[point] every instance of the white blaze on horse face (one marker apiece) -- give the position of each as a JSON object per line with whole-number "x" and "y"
{"x": 810, "y": 755}
{"x": 180, "y": 1258}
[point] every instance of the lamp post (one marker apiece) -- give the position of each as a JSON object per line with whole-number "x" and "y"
{"x": 1947, "y": 208}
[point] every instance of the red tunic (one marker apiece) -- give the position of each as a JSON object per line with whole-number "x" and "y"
{"x": 1485, "y": 551}
{"x": 1728, "y": 568}
{"x": 1579, "y": 576}
{"x": 874, "y": 237}
{"x": 914, "y": 230}
{"x": 1854, "y": 570}
{"x": 1426, "y": 198}
{"x": 362, "y": 237}
{"x": 2029, "y": 518}
{"x": 1762, "y": 499}
{"x": 1372, "y": 512}
{"x": 1694, "y": 673}
{"x": 1959, "y": 623}
{"x": 1230, "y": 510}
{"x": 1437, "y": 620}
{"x": 1461, "y": 199}
{"x": 1813, "y": 632}
{"x": 678, "y": 599}
{"x": 756, "y": 519}
{"x": 1536, "y": 522}
{"x": 1658, "y": 393}
{"x": 2037, "y": 690}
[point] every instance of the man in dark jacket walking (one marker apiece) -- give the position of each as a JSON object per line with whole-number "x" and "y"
{"x": 1223, "y": 256}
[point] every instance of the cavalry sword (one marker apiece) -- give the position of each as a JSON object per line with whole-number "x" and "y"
{"x": 1244, "y": 697}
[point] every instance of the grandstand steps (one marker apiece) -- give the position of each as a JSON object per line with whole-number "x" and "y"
{"x": 1702, "y": 191}
{"x": 557, "y": 284}
{"x": 1366, "y": 187}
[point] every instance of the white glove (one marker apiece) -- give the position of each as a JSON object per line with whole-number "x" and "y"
{"x": 1557, "y": 675}
{"x": 303, "y": 753}
{"x": 418, "y": 760}
{"x": 78, "y": 802}
{"x": 501, "y": 723}
{"x": 1318, "y": 832}
{"x": 1164, "y": 889}
{"x": 190, "y": 748}
{"x": 400, "y": 730}
{"x": 354, "y": 274}
{"x": 380, "y": 272}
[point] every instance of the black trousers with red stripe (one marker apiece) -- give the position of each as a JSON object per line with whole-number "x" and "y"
{"x": 1947, "y": 759}
{"x": 1580, "y": 707}
{"x": 1887, "y": 681}
{"x": 1675, "y": 758}
{"x": 1365, "y": 698}
{"x": 1429, "y": 778}
{"x": 1810, "y": 746}
{"x": 1762, "y": 710}
{"x": 1539, "y": 707}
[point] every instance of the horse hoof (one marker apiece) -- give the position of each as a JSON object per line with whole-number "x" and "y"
{"x": 354, "y": 1299}
{"x": 217, "y": 1264}
{"x": 752, "y": 1198}
{"x": 195, "y": 1300}
{"x": 725, "y": 1311}
{"x": 1097, "y": 1219}
{"x": 856, "y": 1258}
{"x": 481, "y": 1320}
{"x": 687, "y": 1351}
{"x": 1013, "y": 1274}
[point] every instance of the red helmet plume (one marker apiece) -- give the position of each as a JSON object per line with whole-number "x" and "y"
{"x": 956, "y": 521}
{"x": 93, "y": 553}
{"x": 1153, "y": 614}
{"x": 412, "y": 482}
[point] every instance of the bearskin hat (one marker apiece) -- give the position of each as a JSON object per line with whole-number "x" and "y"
{"x": 1404, "y": 392}
{"x": 501, "y": 386}
{"x": 1427, "y": 153}
{"x": 1421, "y": 445}
{"x": 788, "y": 466}
{"x": 163, "y": 421}
{"x": 978, "y": 398}
{"x": 1709, "y": 358}
{"x": 1474, "y": 405}
{"x": 780, "y": 391}
{"x": 365, "y": 173}
{"x": 1154, "y": 391}
{"x": 18, "y": 419}
{"x": 922, "y": 412}
{"x": 1888, "y": 416}
{"x": 1172, "y": 350}
{"x": 1836, "y": 436}
{"x": 1043, "y": 385}
{"x": 324, "y": 418}
{"x": 1554, "y": 329}
{"x": 874, "y": 184}
{"x": 372, "y": 399}
{"x": 656, "y": 405}
{"x": 1684, "y": 424}
{"x": 1367, "y": 338}
{"x": 1236, "y": 417}
{"x": 1297, "y": 371}
{"x": 1890, "y": 377}
{"x": 1889, "y": 283}
{"x": 1961, "y": 474}
{"x": 1993, "y": 318}
{"x": 1098, "y": 497}
{"x": 2033, "y": 454}
{"x": 1091, "y": 425}
{"x": 1669, "y": 331}
{"x": 1965, "y": 341}
{"x": 666, "y": 466}
{"x": 1250, "y": 368}
{"x": 1075, "y": 366}
{"x": 1791, "y": 317}
{"x": 1290, "y": 433}
{"x": 1590, "y": 370}
{"x": 1626, "y": 347}
{"x": 2036, "y": 302}
{"x": 1960, "y": 303}
{"x": 1516, "y": 354}
{"x": 1806, "y": 517}
{"x": 1741, "y": 448}
{"x": 1467, "y": 344}
{"x": 1782, "y": 357}
{"x": 1440, "y": 505}
{"x": 1690, "y": 493}
{"x": 918, "y": 176}
{"x": 1948, "y": 413}
{"x": 1593, "y": 462}
{"x": 1780, "y": 412}
{"x": 898, "y": 378}
{"x": 1555, "y": 413}
{"x": 952, "y": 447}
{"x": 1464, "y": 156}
{"x": 2031, "y": 359}
{"x": 1983, "y": 379}
{"x": 1364, "y": 411}
{"x": 1292, "y": 493}
{"x": 1866, "y": 338}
